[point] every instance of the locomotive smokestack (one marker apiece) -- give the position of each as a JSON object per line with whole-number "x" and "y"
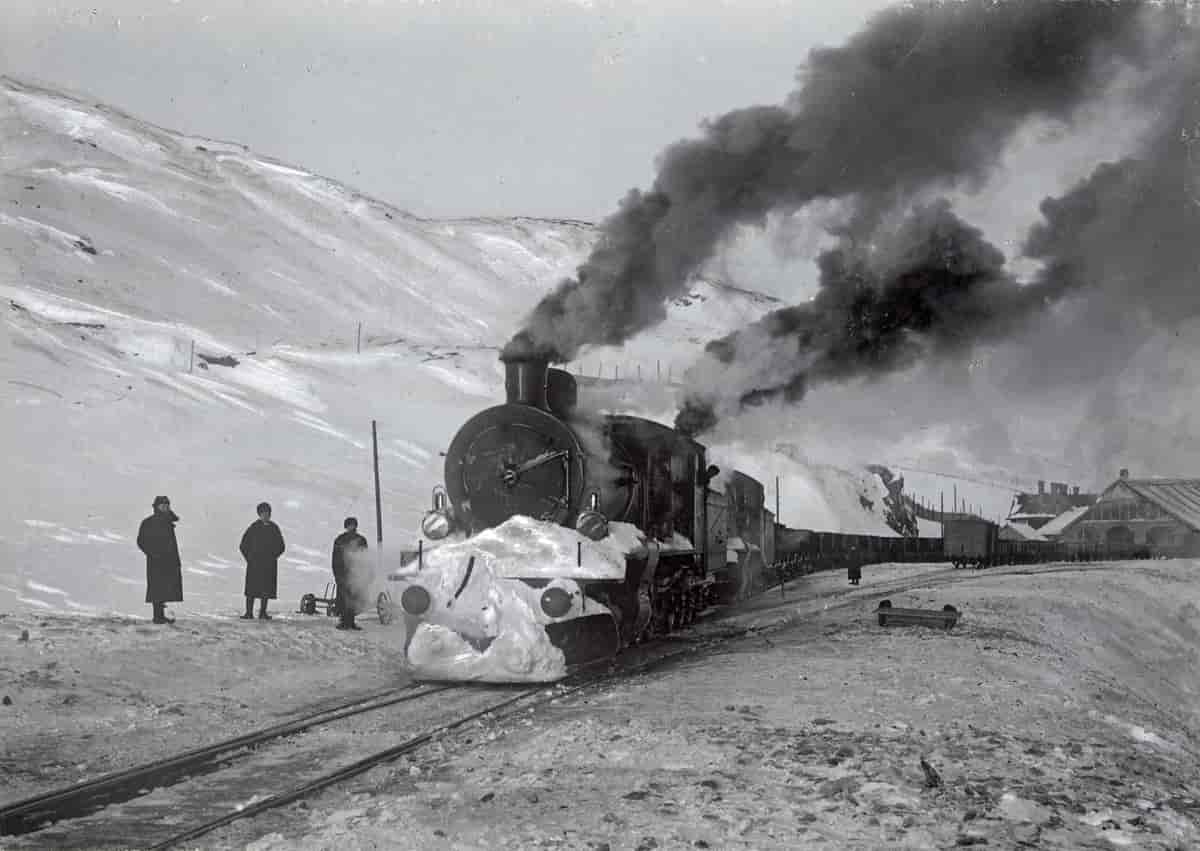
{"x": 525, "y": 378}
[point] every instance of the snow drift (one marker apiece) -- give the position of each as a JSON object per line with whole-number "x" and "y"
{"x": 483, "y": 623}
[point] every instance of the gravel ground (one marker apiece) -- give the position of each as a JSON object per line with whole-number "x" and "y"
{"x": 1058, "y": 714}
{"x": 83, "y": 696}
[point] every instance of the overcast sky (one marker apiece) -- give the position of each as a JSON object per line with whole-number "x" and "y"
{"x": 535, "y": 107}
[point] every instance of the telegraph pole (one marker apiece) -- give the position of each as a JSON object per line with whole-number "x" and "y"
{"x": 378, "y": 503}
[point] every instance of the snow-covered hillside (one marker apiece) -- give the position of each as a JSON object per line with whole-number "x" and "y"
{"x": 125, "y": 247}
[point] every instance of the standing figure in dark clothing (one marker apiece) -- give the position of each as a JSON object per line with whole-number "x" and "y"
{"x": 347, "y": 542}
{"x": 156, "y": 538}
{"x": 262, "y": 545}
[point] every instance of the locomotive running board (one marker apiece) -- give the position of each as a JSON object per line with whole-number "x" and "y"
{"x": 586, "y": 639}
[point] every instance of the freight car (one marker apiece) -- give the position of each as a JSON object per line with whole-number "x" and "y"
{"x": 970, "y": 541}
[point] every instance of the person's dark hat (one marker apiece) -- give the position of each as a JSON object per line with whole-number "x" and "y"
{"x": 160, "y": 500}
{"x": 350, "y": 522}
{"x": 263, "y": 506}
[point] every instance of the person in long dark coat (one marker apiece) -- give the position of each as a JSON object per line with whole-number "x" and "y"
{"x": 347, "y": 542}
{"x": 262, "y": 545}
{"x": 854, "y": 568}
{"x": 156, "y": 538}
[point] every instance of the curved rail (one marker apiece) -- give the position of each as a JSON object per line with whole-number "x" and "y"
{"x": 585, "y": 676}
{"x": 30, "y": 814}
{"x": 344, "y": 773}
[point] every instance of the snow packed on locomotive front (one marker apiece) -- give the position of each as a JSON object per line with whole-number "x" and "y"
{"x": 537, "y": 457}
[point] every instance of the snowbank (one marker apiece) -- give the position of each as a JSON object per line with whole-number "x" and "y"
{"x": 812, "y": 496}
{"x": 483, "y": 623}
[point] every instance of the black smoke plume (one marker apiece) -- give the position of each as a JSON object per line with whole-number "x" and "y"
{"x": 934, "y": 287}
{"x": 925, "y": 96}
{"x": 1123, "y": 246}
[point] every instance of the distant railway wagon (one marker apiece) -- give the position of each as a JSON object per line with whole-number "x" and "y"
{"x": 976, "y": 542}
{"x": 970, "y": 541}
{"x": 825, "y": 550}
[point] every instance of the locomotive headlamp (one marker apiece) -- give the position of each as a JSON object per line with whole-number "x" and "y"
{"x": 415, "y": 600}
{"x": 437, "y": 523}
{"x": 556, "y": 602}
{"x": 591, "y": 522}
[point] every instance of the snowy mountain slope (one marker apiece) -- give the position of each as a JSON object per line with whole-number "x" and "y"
{"x": 123, "y": 246}
{"x": 104, "y": 209}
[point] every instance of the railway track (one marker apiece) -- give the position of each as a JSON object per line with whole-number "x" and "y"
{"x": 207, "y": 797}
{"x": 29, "y": 814}
{"x": 178, "y": 799}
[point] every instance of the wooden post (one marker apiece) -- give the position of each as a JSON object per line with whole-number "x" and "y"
{"x": 639, "y": 366}
{"x": 782, "y": 576}
{"x": 378, "y": 503}
{"x": 658, "y": 364}
{"x": 616, "y": 372}
{"x": 358, "y": 340}
{"x": 669, "y": 368}
{"x": 956, "y": 498}
{"x": 192, "y": 357}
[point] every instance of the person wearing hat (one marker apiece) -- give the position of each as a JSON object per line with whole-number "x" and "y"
{"x": 262, "y": 545}
{"x": 347, "y": 542}
{"x": 156, "y": 538}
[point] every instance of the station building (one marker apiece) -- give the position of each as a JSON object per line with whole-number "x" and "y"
{"x": 1140, "y": 517}
{"x": 1035, "y": 510}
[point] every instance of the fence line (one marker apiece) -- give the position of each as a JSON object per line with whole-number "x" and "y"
{"x": 359, "y": 338}
{"x": 629, "y": 371}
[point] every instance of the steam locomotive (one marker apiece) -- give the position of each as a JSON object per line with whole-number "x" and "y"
{"x": 705, "y": 537}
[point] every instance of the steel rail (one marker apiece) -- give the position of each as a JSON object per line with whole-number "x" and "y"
{"x": 392, "y": 753}
{"x": 341, "y": 774}
{"x": 30, "y": 814}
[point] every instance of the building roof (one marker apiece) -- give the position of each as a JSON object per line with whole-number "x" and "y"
{"x": 1179, "y": 498}
{"x": 1062, "y": 521}
{"x": 1025, "y": 531}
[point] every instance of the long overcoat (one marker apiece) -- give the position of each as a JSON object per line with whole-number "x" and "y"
{"x": 262, "y": 545}
{"x": 156, "y": 538}
{"x": 342, "y": 544}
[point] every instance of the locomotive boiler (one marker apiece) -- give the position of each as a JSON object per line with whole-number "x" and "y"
{"x": 538, "y": 456}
